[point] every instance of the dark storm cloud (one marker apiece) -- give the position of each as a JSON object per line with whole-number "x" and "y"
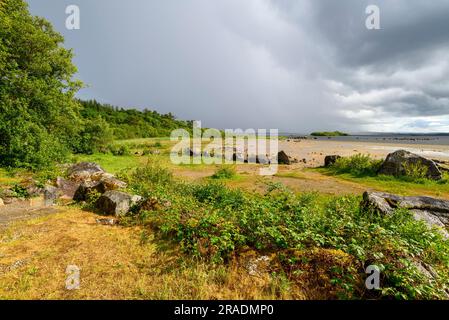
{"x": 410, "y": 28}
{"x": 287, "y": 64}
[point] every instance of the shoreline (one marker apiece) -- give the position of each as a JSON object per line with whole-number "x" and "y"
{"x": 314, "y": 151}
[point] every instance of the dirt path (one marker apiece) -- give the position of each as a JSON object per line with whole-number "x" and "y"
{"x": 294, "y": 177}
{"x": 22, "y": 210}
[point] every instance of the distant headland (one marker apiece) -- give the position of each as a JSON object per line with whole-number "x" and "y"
{"x": 329, "y": 134}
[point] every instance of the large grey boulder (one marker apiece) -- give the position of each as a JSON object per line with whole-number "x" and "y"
{"x": 85, "y": 177}
{"x": 434, "y": 212}
{"x": 67, "y": 188}
{"x": 109, "y": 181}
{"x": 116, "y": 203}
{"x": 395, "y": 164}
{"x": 83, "y": 171}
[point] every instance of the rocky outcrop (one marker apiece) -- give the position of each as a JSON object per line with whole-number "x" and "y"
{"x": 83, "y": 171}
{"x": 88, "y": 187}
{"x": 32, "y": 188}
{"x": 117, "y": 203}
{"x": 434, "y": 212}
{"x": 330, "y": 160}
{"x": 109, "y": 181}
{"x": 85, "y": 178}
{"x": 396, "y": 163}
{"x": 67, "y": 188}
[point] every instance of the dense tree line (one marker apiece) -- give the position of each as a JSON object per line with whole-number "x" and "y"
{"x": 41, "y": 121}
{"x": 132, "y": 123}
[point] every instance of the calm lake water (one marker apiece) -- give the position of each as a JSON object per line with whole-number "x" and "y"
{"x": 403, "y": 139}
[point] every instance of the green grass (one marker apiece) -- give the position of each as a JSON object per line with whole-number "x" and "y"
{"x": 292, "y": 175}
{"x": 8, "y": 177}
{"x": 111, "y": 163}
{"x": 397, "y": 185}
{"x": 363, "y": 170}
{"x": 116, "y": 163}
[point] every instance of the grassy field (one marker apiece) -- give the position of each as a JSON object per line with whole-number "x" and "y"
{"x": 301, "y": 230}
{"x": 115, "y": 263}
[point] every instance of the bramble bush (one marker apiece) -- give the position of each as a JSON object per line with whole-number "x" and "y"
{"x": 214, "y": 222}
{"x": 225, "y": 172}
{"x": 357, "y": 165}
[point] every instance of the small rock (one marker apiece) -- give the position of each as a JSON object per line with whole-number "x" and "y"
{"x": 283, "y": 158}
{"x": 110, "y": 182}
{"x": 107, "y": 222}
{"x": 330, "y": 160}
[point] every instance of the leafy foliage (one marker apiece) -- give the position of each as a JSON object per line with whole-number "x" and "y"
{"x": 225, "y": 172}
{"x": 131, "y": 123}
{"x": 415, "y": 170}
{"x": 212, "y": 221}
{"x": 357, "y": 165}
{"x": 38, "y": 115}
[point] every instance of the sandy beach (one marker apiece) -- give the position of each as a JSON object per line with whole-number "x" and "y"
{"x": 314, "y": 151}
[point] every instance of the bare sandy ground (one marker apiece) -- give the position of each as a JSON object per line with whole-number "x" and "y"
{"x": 24, "y": 209}
{"x": 314, "y": 151}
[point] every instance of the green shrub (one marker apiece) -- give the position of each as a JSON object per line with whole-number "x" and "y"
{"x": 96, "y": 136}
{"x": 20, "y": 191}
{"x": 118, "y": 150}
{"x": 225, "y": 172}
{"x": 415, "y": 170}
{"x": 358, "y": 165}
{"x": 153, "y": 173}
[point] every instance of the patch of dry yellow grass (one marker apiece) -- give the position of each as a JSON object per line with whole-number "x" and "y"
{"x": 114, "y": 263}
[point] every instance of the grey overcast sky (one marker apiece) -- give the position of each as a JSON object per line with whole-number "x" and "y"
{"x": 295, "y": 65}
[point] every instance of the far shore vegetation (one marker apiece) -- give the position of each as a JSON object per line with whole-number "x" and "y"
{"x": 329, "y": 134}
